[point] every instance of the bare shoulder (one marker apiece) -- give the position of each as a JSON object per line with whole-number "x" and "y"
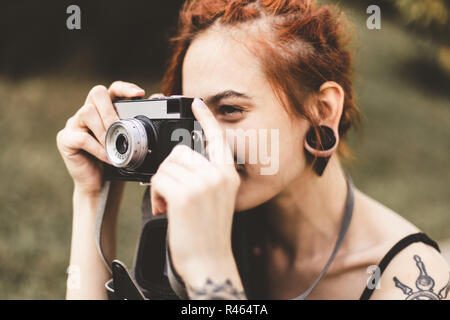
{"x": 374, "y": 230}
{"x": 418, "y": 272}
{"x": 380, "y": 222}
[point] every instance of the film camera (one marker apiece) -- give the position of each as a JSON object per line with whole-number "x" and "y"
{"x": 146, "y": 133}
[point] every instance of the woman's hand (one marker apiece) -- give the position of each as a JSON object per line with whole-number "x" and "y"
{"x": 81, "y": 144}
{"x": 199, "y": 197}
{"x": 83, "y": 152}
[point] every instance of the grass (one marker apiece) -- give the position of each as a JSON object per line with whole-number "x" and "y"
{"x": 402, "y": 160}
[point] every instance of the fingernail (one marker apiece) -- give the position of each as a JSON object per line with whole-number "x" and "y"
{"x": 137, "y": 91}
{"x": 199, "y": 103}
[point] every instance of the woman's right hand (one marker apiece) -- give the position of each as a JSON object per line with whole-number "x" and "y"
{"x": 82, "y": 152}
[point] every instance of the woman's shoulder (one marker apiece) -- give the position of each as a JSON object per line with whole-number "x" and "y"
{"x": 380, "y": 221}
{"x": 412, "y": 266}
{"x": 418, "y": 272}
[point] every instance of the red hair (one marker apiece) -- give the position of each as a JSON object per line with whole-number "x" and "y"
{"x": 305, "y": 47}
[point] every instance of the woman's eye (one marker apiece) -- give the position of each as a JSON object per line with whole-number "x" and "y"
{"x": 229, "y": 110}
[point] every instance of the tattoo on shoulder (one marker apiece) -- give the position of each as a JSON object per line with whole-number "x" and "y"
{"x": 214, "y": 291}
{"x": 424, "y": 285}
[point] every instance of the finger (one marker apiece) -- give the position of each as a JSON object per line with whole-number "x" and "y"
{"x": 177, "y": 172}
{"x": 218, "y": 148}
{"x": 158, "y": 204}
{"x": 121, "y": 89}
{"x": 188, "y": 158}
{"x": 100, "y": 98}
{"x": 163, "y": 188}
{"x": 193, "y": 170}
{"x": 157, "y": 95}
{"x": 80, "y": 140}
{"x": 89, "y": 118}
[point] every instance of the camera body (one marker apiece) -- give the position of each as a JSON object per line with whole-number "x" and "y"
{"x": 146, "y": 133}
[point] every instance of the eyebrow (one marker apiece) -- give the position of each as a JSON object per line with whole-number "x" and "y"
{"x": 225, "y": 94}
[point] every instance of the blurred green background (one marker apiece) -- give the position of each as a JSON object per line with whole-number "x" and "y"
{"x": 401, "y": 83}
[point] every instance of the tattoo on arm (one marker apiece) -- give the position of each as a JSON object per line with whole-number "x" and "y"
{"x": 213, "y": 291}
{"x": 424, "y": 285}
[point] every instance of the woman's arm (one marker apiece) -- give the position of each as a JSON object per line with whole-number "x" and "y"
{"x": 88, "y": 272}
{"x": 215, "y": 280}
{"x": 418, "y": 272}
{"x": 81, "y": 145}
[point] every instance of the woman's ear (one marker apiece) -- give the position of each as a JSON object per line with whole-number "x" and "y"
{"x": 331, "y": 96}
{"x": 330, "y": 99}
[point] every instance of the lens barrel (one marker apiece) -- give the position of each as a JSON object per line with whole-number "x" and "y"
{"x": 127, "y": 143}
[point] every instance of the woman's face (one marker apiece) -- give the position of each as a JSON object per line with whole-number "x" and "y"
{"x": 220, "y": 69}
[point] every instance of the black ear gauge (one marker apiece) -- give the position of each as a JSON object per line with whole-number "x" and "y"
{"x": 320, "y": 153}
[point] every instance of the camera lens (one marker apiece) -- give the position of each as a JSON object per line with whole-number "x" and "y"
{"x": 127, "y": 143}
{"x": 122, "y": 143}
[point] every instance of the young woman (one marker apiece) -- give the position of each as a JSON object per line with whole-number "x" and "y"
{"x": 264, "y": 64}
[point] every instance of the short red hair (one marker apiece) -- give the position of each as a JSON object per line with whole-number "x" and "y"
{"x": 306, "y": 47}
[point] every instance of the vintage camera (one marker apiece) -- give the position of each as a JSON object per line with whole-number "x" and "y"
{"x": 146, "y": 133}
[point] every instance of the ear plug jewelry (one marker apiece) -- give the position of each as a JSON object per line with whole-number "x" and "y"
{"x": 320, "y": 152}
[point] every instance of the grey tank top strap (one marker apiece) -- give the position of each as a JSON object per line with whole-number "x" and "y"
{"x": 346, "y": 219}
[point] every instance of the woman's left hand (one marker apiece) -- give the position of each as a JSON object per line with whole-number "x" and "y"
{"x": 199, "y": 197}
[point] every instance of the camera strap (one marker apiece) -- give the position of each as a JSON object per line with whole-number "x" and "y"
{"x": 150, "y": 256}
{"x": 101, "y": 208}
{"x": 122, "y": 285}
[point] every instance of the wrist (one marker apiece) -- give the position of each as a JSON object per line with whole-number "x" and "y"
{"x": 207, "y": 280}
{"x": 87, "y": 194}
{"x": 88, "y": 198}
{"x": 85, "y": 205}
{"x": 221, "y": 268}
